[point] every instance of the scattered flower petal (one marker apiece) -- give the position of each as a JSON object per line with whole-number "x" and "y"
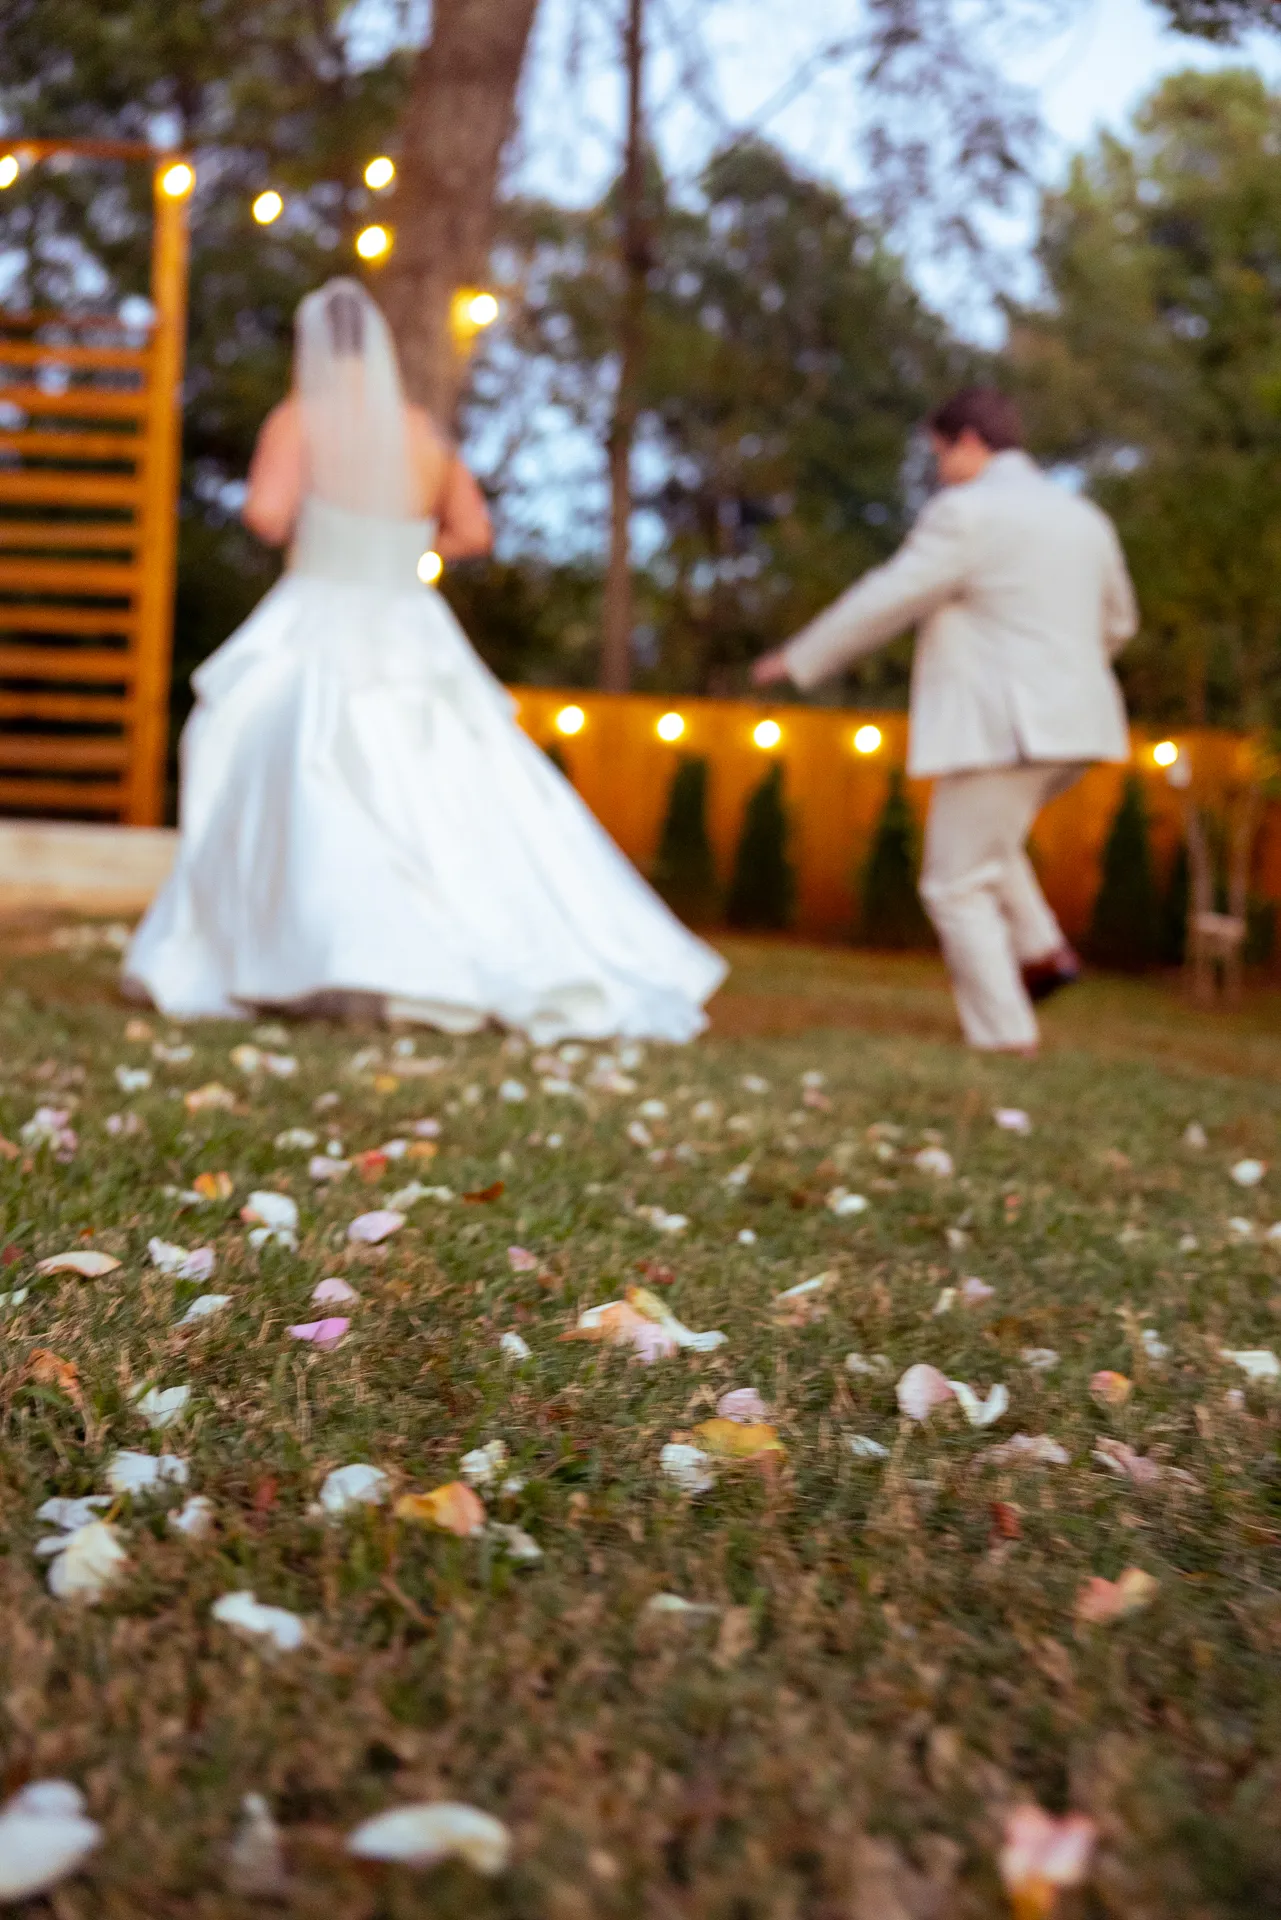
{"x": 327, "y": 1166}
{"x": 1012, "y": 1119}
{"x": 213, "y": 1186}
{"x": 483, "y": 1465}
{"x": 133, "y": 1079}
{"x": 276, "y": 1211}
{"x": 296, "y": 1139}
{"x": 1154, "y": 1347}
{"x": 845, "y": 1204}
{"x": 90, "y": 1266}
{"x": 195, "y": 1518}
{"x": 44, "y": 1836}
{"x": 1042, "y": 1852}
{"x": 804, "y": 1302}
{"x": 921, "y": 1389}
{"x": 742, "y": 1403}
{"x": 672, "y": 1606}
{"x": 1257, "y": 1363}
{"x": 864, "y": 1449}
{"x": 203, "y": 1307}
{"x": 1040, "y": 1359}
{"x": 1099, "y": 1601}
{"x": 241, "y": 1611}
{"x": 1195, "y": 1136}
{"x": 368, "y": 1229}
{"x": 512, "y": 1347}
{"x": 974, "y": 1292}
{"x": 137, "y": 1473}
{"x": 70, "y": 1514}
{"x": 358, "y": 1485}
{"x": 334, "y": 1293}
{"x": 1110, "y": 1389}
{"x": 689, "y": 1467}
{"x": 161, "y": 1406}
{"x": 212, "y": 1097}
{"x": 184, "y": 1265}
{"x": 1121, "y": 1459}
{"x": 88, "y": 1563}
{"x": 1033, "y": 1450}
{"x": 1248, "y": 1173}
{"x": 324, "y": 1334}
{"x": 255, "y": 1861}
{"x": 515, "y": 1543}
{"x": 421, "y": 1836}
{"x": 935, "y": 1160}
{"x": 513, "y": 1092}
{"x": 520, "y": 1260}
{"x": 985, "y": 1412}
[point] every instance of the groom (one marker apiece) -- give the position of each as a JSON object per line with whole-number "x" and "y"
{"x": 1021, "y": 596}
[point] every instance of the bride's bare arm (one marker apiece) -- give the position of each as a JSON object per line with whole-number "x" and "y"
{"x": 464, "y": 528}
{"x": 276, "y": 476}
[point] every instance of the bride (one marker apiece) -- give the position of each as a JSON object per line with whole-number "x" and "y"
{"x": 363, "y": 824}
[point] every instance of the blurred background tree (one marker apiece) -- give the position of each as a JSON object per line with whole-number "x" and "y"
{"x": 1154, "y": 368}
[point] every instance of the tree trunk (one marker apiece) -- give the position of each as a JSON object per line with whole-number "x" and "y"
{"x": 460, "y": 113}
{"x": 619, "y": 613}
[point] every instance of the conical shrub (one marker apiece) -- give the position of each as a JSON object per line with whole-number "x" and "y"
{"x": 890, "y": 911}
{"x": 762, "y": 891}
{"x": 684, "y": 869}
{"x": 1125, "y": 930}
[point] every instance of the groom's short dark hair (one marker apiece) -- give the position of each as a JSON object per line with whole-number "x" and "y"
{"x": 983, "y": 410}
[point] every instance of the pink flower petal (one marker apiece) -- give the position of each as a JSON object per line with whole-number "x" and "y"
{"x": 321, "y": 1333}
{"x": 370, "y": 1228}
{"x": 921, "y": 1389}
{"x": 334, "y": 1293}
{"x": 1042, "y": 1851}
{"x": 521, "y": 1260}
{"x": 743, "y": 1404}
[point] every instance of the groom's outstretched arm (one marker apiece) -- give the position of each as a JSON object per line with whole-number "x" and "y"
{"x": 930, "y": 567}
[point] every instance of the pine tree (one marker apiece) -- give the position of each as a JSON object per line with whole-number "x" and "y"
{"x": 684, "y": 870}
{"x": 890, "y": 910}
{"x": 762, "y": 891}
{"x": 1125, "y": 930}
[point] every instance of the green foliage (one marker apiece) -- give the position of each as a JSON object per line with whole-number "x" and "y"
{"x": 1126, "y": 926}
{"x": 762, "y": 889}
{"x": 788, "y": 363}
{"x": 890, "y": 910}
{"x": 1175, "y": 904}
{"x": 1155, "y": 367}
{"x": 684, "y": 869}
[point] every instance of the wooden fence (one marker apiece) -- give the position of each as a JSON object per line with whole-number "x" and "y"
{"x": 89, "y": 425}
{"x": 622, "y": 766}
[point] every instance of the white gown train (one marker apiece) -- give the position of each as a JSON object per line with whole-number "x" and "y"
{"x": 361, "y": 815}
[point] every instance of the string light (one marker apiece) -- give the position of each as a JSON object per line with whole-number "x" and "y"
{"x": 570, "y": 720}
{"x": 670, "y": 727}
{"x": 1165, "y": 753}
{"x": 268, "y": 207}
{"x": 380, "y": 173}
{"x": 767, "y": 734}
{"x": 373, "y": 242}
{"x": 867, "y": 739}
{"x": 472, "y": 310}
{"x": 430, "y": 568}
{"x": 9, "y": 169}
{"x": 177, "y": 181}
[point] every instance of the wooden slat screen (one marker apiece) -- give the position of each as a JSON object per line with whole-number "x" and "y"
{"x": 89, "y": 415}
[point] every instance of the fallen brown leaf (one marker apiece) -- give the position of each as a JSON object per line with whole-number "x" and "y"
{"x": 483, "y": 1195}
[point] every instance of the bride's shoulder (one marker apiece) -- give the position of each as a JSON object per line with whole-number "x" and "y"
{"x": 426, "y": 435}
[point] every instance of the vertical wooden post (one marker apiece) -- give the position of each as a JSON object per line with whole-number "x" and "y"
{"x": 149, "y": 701}
{"x": 619, "y": 602}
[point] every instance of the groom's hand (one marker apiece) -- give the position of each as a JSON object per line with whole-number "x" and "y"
{"x": 770, "y": 669}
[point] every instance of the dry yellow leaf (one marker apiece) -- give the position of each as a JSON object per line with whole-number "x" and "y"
{"x": 734, "y": 1440}
{"x": 454, "y": 1508}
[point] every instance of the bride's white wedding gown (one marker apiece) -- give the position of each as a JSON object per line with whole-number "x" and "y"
{"x": 361, "y": 815}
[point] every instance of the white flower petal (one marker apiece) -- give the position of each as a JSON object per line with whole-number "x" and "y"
{"x": 132, "y": 1472}
{"x": 204, "y": 1307}
{"x": 161, "y": 1406}
{"x": 44, "y": 1836}
{"x": 358, "y": 1485}
{"x": 91, "y": 1561}
{"x": 195, "y": 1517}
{"x": 245, "y": 1614}
{"x": 689, "y": 1467}
{"x": 513, "y": 1347}
{"x": 420, "y": 1836}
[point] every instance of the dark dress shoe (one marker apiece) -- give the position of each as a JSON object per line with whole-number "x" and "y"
{"x": 1044, "y": 977}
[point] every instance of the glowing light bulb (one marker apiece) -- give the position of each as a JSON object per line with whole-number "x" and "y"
{"x": 9, "y": 169}
{"x": 373, "y": 242}
{"x": 767, "y": 734}
{"x": 670, "y": 727}
{"x": 482, "y": 310}
{"x": 178, "y": 180}
{"x": 430, "y": 568}
{"x": 867, "y": 739}
{"x": 380, "y": 173}
{"x": 267, "y": 207}
{"x": 1165, "y": 753}
{"x": 571, "y": 720}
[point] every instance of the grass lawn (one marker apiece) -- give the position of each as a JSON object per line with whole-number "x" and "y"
{"x": 890, "y": 1655}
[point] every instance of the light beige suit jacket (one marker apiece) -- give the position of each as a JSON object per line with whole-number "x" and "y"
{"x": 1021, "y": 595}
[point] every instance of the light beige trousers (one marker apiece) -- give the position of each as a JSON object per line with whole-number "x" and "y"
{"x": 982, "y": 895}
